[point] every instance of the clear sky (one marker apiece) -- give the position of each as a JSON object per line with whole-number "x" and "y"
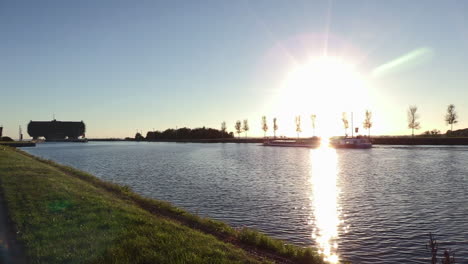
{"x": 125, "y": 65}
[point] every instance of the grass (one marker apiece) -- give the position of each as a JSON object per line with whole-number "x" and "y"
{"x": 67, "y": 216}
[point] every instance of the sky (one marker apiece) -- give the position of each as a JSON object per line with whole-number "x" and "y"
{"x": 123, "y": 66}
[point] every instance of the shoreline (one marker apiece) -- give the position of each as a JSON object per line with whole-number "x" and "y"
{"x": 420, "y": 141}
{"x": 46, "y": 200}
{"x": 18, "y": 144}
{"x": 384, "y": 140}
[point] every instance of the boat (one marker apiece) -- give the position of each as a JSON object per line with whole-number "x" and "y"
{"x": 353, "y": 143}
{"x": 292, "y": 143}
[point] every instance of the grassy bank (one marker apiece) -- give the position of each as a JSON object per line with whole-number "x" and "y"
{"x": 63, "y": 215}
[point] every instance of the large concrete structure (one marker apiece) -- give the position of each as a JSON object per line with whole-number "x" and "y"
{"x": 56, "y": 130}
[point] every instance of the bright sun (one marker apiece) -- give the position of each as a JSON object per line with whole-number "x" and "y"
{"x": 325, "y": 86}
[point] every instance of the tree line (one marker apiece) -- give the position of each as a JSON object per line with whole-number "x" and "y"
{"x": 243, "y": 126}
{"x": 451, "y": 118}
{"x": 187, "y": 133}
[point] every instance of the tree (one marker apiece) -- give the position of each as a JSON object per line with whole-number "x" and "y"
{"x": 185, "y": 133}
{"x": 368, "y": 121}
{"x": 275, "y": 127}
{"x": 246, "y": 127}
{"x": 313, "y": 117}
{"x": 223, "y": 127}
{"x": 412, "y": 119}
{"x": 433, "y": 132}
{"x": 344, "y": 118}
{"x": 238, "y": 127}
{"x": 298, "y": 125}
{"x": 139, "y": 137}
{"x": 451, "y": 116}
{"x": 264, "y": 125}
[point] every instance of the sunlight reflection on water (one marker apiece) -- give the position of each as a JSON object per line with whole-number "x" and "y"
{"x": 324, "y": 198}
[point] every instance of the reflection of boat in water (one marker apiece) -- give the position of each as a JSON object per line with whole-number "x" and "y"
{"x": 304, "y": 143}
{"x": 357, "y": 143}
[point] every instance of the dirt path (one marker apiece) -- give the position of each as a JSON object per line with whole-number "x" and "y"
{"x": 11, "y": 252}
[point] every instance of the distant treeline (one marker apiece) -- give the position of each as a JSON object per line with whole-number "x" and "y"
{"x": 187, "y": 133}
{"x": 420, "y": 140}
{"x": 458, "y": 133}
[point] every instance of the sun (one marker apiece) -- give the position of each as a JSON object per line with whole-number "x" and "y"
{"x": 325, "y": 86}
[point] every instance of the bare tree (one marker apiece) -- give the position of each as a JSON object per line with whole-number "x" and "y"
{"x": 246, "y": 127}
{"x": 451, "y": 116}
{"x": 223, "y": 127}
{"x": 313, "y": 117}
{"x": 238, "y": 127}
{"x": 275, "y": 127}
{"x": 412, "y": 119}
{"x": 298, "y": 125}
{"x": 368, "y": 121}
{"x": 264, "y": 125}
{"x": 344, "y": 118}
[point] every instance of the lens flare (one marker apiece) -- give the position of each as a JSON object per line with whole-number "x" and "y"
{"x": 410, "y": 59}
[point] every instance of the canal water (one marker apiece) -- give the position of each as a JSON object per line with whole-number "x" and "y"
{"x": 364, "y": 206}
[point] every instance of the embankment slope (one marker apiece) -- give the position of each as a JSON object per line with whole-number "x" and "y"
{"x": 62, "y": 215}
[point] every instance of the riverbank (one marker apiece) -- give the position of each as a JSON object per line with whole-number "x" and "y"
{"x": 375, "y": 140}
{"x": 420, "y": 140}
{"x": 18, "y": 144}
{"x": 215, "y": 140}
{"x": 64, "y": 215}
{"x": 383, "y": 140}
{"x": 236, "y": 140}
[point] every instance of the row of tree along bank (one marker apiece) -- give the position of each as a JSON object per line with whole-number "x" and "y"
{"x": 379, "y": 140}
{"x": 185, "y": 134}
{"x": 451, "y": 118}
{"x": 210, "y": 135}
{"x": 214, "y": 135}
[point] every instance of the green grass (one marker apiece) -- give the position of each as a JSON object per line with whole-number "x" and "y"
{"x": 67, "y": 216}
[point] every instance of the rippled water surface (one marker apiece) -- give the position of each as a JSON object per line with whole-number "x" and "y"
{"x": 364, "y": 206}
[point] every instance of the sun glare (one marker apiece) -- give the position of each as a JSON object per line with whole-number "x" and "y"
{"x": 324, "y": 197}
{"x": 325, "y": 86}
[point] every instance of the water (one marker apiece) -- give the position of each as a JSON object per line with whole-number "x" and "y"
{"x": 364, "y": 206}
